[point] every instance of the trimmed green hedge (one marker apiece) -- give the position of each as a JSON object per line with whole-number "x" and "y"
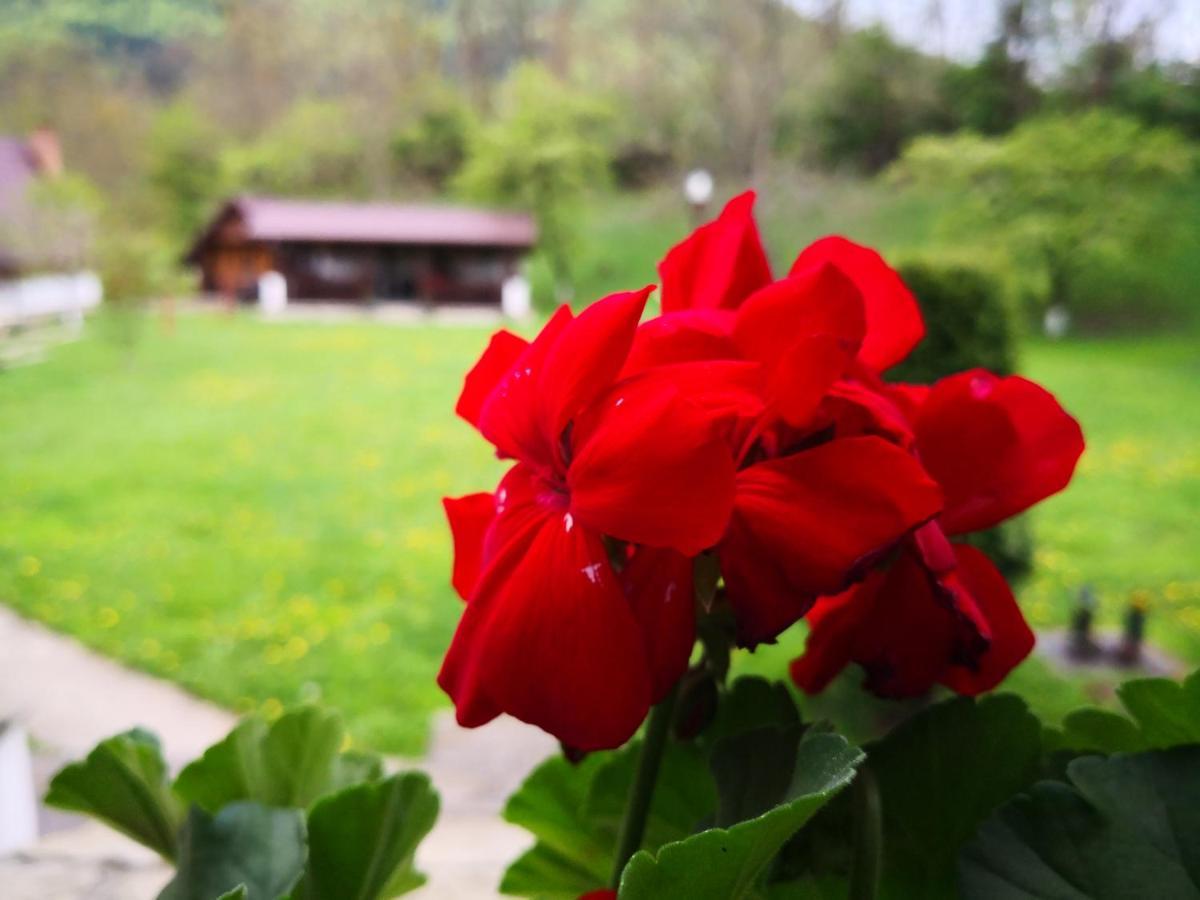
{"x": 968, "y": 324}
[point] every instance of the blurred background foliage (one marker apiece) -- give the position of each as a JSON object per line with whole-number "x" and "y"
{"x": 1014, "y": 158}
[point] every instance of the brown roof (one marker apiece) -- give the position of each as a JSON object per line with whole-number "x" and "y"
{"x": 278, "y": 219}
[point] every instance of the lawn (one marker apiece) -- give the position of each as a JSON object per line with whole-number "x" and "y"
{"x": 251, "y": 509}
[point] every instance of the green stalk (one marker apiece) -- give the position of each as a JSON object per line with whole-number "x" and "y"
{"x": 868, "y": 837}
{"x": 641, "y": 793}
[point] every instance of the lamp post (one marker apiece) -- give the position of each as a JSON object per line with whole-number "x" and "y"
{"x": 698, "y": 190}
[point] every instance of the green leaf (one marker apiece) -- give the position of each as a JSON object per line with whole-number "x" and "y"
{"x": 245, "y": 844}
{"x": 939, "y": 774}
{"x": 753, "y": 771}
{"x": 123, "y": 782}
{"x": 751, "y": 702}
{"x": 238, "y": 893}
{"x": 292, "y": 762}
{"x": 1126, "y": 826}
{"x": 575, "y": 812}
{"x": 726, "y": 864}
{"x": 362, "y": 840}
{"x": 1168, "y": 713}
{"x": 1096, "y": 730}
{"x": 1162, "y": 714}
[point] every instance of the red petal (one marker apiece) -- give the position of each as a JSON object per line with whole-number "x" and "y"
{"x": 688, "y": 336}
{"x": 858, "y": 409}
{"x": 501, "y": 354}
{"x": 910, "y": 629}
{"x": 651, "y": 468}
{"x": 805, "y": 525}
{"x": 719, "y": 264}
{"x": 661, "y": 592}
{"x": 469, "y": 519}
{"x": 509, "y": 416}
{"x": 894, "y": 323}
{"x": 586, "y": 358}
{"x": 549, "y": 637}
{"x": 1011, "y": 638}
{"x": 805, "y": 330}
{"x": 996, "y": 445}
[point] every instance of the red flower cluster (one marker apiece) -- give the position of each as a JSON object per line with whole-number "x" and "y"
{"x": 748, "y": 420}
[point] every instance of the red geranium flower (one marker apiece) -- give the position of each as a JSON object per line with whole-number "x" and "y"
{"x": 809, "y": 514}
{"x": 554, "y": 632}
{"x": 941, "y": 612}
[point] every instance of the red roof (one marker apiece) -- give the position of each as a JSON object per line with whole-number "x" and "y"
{"x": 278, "y": 219}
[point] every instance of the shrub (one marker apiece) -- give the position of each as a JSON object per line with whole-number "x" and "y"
{"x": 969, "y": 324}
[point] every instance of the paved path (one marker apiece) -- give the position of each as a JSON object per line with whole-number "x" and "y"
{"x": 68, "y": 698}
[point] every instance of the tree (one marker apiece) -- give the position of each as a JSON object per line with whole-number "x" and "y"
{"x": 878, "y": 96}
{"x": 1061, "y": 192}
{"x": 434, "y": 146}
{"x": 186, "y": 171}
{"x": 548, "y": 144}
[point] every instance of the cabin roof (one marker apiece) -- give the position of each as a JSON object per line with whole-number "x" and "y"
{"x": 319, "y": 221}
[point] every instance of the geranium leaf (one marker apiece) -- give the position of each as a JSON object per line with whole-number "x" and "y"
{"x": 361, "y": 840}
{"x": 1162, "y": 714}
{"x": 291, "y": 762}
{"x": 246, "y": 844}
{"x": 1096, "y": 730}
{"x": 1124, "y": 826}
{"x": 939, "y": 775}
{"x": 123, "y": 782}
{"x": 574, "y": 811}
{"x": 729, "y": 863}
{"x": 1168, "y": 713}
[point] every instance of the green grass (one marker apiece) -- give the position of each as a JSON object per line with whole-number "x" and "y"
{"x": 249, "y": 509}
{"x": 252, "y": 509}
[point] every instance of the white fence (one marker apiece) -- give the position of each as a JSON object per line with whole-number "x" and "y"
{"x": 40, "y": 309}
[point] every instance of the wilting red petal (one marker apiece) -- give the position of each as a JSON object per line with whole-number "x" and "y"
{"x": 806, "y": 525}
{"x": 660, "y": 590}
{"x": 1011, "y": 638}
{"x": 894, "y": 323}
{"x": 501, "y": 354}
{"x": 996, "y": 445}
{"x": 719, "y": 264}
{"x": 651, "y": 468}
{"x": 549, "y": 637}
{"x": 586, "y": 357}
{"x": 805, "y": 330}
{"x": 606, "y": 894}
{"x": 469, "y": 519}
{"x": 691, "y": 335}
{"x": 509, "y": 415}
{"x": 891, "y": 625}
{"x": 910, "y": 629}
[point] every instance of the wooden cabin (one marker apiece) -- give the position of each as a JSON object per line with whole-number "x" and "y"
{"x": 362, "y": 251}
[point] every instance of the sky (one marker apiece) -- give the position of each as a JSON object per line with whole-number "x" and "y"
{"x": 960, "y": 28}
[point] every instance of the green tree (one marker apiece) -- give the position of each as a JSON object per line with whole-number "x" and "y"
{"x": 548, "y": 144}
{"x": 878, "y": 95}
{"x": 185, "y": 169}
{"x": 312, "y": 149}
{"x": 1061, "y": 192}
{"x": 433, "y": 147}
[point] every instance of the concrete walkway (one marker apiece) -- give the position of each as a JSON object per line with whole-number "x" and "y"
{"x": 68, "y": 698}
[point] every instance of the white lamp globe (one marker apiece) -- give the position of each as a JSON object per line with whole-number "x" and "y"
{"x": 698, "y": 187}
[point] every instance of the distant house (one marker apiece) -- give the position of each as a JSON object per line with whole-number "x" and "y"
{"x": 23, "y": 161}
{"x": 362, "y": 251}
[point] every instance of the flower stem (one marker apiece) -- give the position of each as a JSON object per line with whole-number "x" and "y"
{"x": 868, "y": 837}
{"x": 637, "y": 808}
